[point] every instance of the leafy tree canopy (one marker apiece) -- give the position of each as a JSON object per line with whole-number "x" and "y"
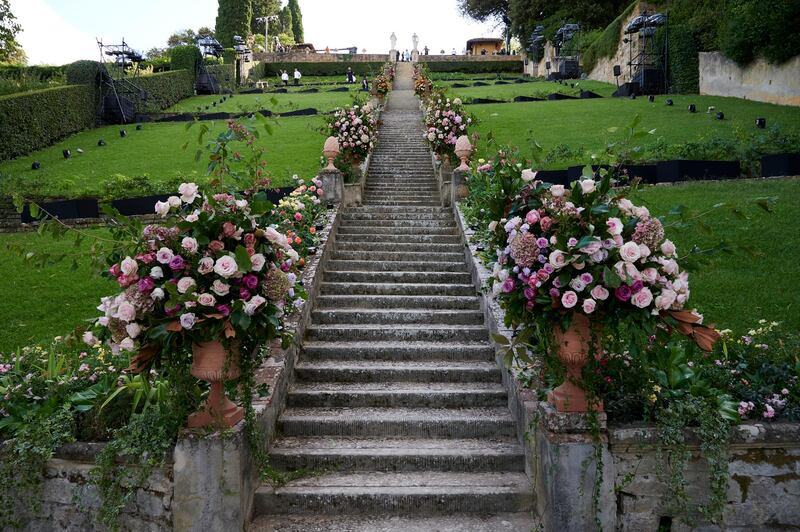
{"x": 10, "y": 49}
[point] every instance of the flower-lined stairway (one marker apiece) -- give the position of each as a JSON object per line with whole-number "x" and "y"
{"x": 398, "y": 408}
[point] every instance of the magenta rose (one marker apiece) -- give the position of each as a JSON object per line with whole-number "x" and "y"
{"x": 250, "y": 281}
{"x": 508, "y": 286}
{"x": 244, "y": 293}
{"x": 147, "y": 284}
{"x": 177, "y": 263}
{"x": 637, "y": 286}
{"x": 623, "y": 293}
{"x": 225, "y": 310}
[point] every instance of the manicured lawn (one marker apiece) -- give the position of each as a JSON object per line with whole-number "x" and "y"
{"x": 156, "y": 150}
{"x": 736, "y": 290}
{"x": 535, "y": 89}
{"x": 585, "y": 123}
{"x": 324, "y": 101}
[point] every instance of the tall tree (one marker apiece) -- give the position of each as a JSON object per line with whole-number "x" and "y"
{"x": 297, "y": 21}
{"x": 182, "y": 38}
{"x": 10, "y": 49}
{"x": 265, "y": 8}
{"x": 234, "y": 17}
{"x": 286, "y": 21}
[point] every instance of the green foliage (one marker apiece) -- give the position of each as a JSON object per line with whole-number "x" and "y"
{"x": 752, "y": 28}
{"x": 474, "y": 67}
{"x": 225, "y": 76}
{"x": 332, "y": 68}
{"x": 684, "y": 62}
{"x": 166, "y": 89}
{"x": 185, "y": 57}
{"x": 607, "y": 42}
{"x": 40, "y": 72}
{"x": 297, "y": 21}
{"x": 287, "y": 21}
{"x": 233, "y": 18}
{"x": 10, "y": 50}
{"x": 83, "y": 73}
{"x": 35, "y": 120}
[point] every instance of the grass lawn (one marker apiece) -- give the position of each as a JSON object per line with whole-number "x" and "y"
{"x": 536, "y": 89}
{"x": 323, "y": 101}
{"x": 584, "y": 123}
{"x": 156, "y": 150}
{"x": 735, "y": 291}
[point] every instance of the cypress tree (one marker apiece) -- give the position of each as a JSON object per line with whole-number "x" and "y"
{"x": 297, "y": 21}
{"x": 233, "y": 18}
{"x": 286, "y": 21}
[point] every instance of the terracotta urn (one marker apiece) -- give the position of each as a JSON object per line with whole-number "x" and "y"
{"x": 573, "y": 351}
{"x": 463, "y": 151}
{"x": 330, "y": 151}
{"x": 210, "y": 362}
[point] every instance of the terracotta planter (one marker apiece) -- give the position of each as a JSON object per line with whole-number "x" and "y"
{"x": 209, "y": 361}
{"x": 573, "y": 352}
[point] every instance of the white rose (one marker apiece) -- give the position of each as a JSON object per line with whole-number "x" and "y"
{"x": 670, "y": 266}
{"x": 251, "y": 306}
{"x": 156, "y": 272}
{"x": 258, "y": 260}
{"x": 275, "y": 237}
{"x": 188, "y": 192}
{"x": 614, "y": 226}
{"x": 666, "y": 299}
{"x": 226, "y": 267}
{"x": 626, "y": 206}
{"x": 174, "y": 201}
{"x": 668, "y": 248}
{"x": 558, "y": 259}
{"x": 528, "y": 175}
{"x": 185, "y": 284}
{"x": 205, "y": 266}
{"x": 493, "y": 226}
{"x": 189, "y": 244}
{"x": 162, "y": 208}
{"x": 557, "y": 190}
{"x": 293, "y": 254}
{"x": 129, "y": 266}
{"x": 127, "y": 345}
{"x": 642, "y": 212}
{"x": 644, "y": 251}
{"x": 133, "y": 329}
{"x": 577, "y": 284}
{"x": 630, "y": 252}
{"x": 187, "y": 320}
{"x": 157, "y": 293}
{"x": 125, "y": 312}
{"x": 207, "y": 300}
{"x": 588, "y": 186}
{"x": 220, "y": 288}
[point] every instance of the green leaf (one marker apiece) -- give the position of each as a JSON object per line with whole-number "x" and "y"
{"x": 611, "y": 278}
{"x": 243, "y": 259}
{"x": 34, "y": 209}
{"x": 500, "y": 339}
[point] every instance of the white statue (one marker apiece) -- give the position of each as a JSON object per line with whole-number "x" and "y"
{"x": 415, "y": 40}
{"x": 394, "y": 41}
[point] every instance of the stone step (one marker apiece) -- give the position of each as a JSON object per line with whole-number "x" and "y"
{"x": 399, "y": 256}
{"x": 377, "y": 521}
{"x": 440, "y": 423}
{"x": 396, "y": 203}
{"x": 397, "y": 289}
{"x": 396, "y": 455}
{"x": 393, "y": 223}
{"x": 398, "y": 316}
{"x": 398, "y": 302}
{"x": 405, "y": 371}
{"x": 397, "y": 394}
{"x": 393, "y": 196}
{"x": 417, "y": 493}
{"x": 398, "y": 217}
{"x": 411, "y": 333}
{"x": 402, "y": 209}
{"x": 397, "y": 277}
{"x": 408, "y": 230}
{"x": 432, "y": 249}
{"x": 400, "y": 239}
{"x": 396, "y": 351}
{"x": 395, "y": 266}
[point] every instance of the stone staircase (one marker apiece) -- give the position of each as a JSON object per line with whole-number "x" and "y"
{"x": 398, "y": 411}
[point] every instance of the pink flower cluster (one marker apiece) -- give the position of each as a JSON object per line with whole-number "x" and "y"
{"x": 356, "y": 129}
{"x": 445, "y": 121}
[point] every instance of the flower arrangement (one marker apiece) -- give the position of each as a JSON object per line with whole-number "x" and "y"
{"x": 381, "y": 85}
{"x": 389, "y": 71}
{"x": 589, "y": 250}
{"x": 422, "y": 84}
{"x": 445, "y": 121}
{"x": 302, "y": 211}
{"x": 356, "y": 129}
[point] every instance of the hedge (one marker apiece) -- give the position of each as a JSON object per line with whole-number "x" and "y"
{"x": 35, "y": 120}
{"x": 225, "y": 75}
{"x": 166, "y": 89}
{"x": 684, "y": 62}
{"x": 186, "y": 57}
{"x": 475, "y": 67}
{"x": 331, "y": 68}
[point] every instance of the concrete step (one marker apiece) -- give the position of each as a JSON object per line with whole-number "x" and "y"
{"x": 396, "y": 351}
{"x": 398, "y": 302}
{"x": 416, "y": 493}
{"x": 397, "y": 217}
{"x": 400, "y": 239}
{"x": 397, "y": 289}
{"x": 396, "y": 455}
{"x": 431, "y": 249}
{"x": 397, "y": 277}
{"x": 401, "y": 209}
{"x": 348, "y": 228}
{"x": 371, "y": 197}
{"x": 400, "y": 203}
{"x": 405, "y": 371}
{"x": 399, "y": 257}
{"x": 380, "y": 522}
{"x": 397, "y": 394}
{"x": 398, "y": 316}
{"x": 395, "y": 266}
{"x": 446, "y": 423}
{"x": 411, "y": 333}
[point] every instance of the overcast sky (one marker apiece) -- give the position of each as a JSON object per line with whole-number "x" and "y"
{"x": 62, "y": 31}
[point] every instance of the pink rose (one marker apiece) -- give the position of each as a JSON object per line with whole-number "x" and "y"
{"x": 668, "y": 248}
{"x": 589, "y": 305}
{"x": 226, "y": 267}
{"x": 630, "y": 252}
{"x": 642, "y": 298}
{"x": 666, "y": 299}
{"x": 129, "y": 267}
{"x": 569, "y": 299}
{"x": 558, "y": 259}
{"x": 258, "y": 260}
{"x": 185, "y": 284}
{"x": 164, "y": 255}
{"x": 614, "y": 226}
{"x": 205, "y": 266}
{"x": 188, "y": 192}
{"x": 600, "y": 293}
{"x": 527, "y": 175}
{"x": 557, "y": 190}
{"x": 532, "y": 217}
{"x": 125, "y": 312}
{"x": 189, "y": 244}
{"x": 215, "y": 246}
{"x": 650, "y": 275}
{"x": 220, "y": 288}
{"x": 207, "y": 300}
{"x": 588, "y": 186}
{"x": 187, "y": 320}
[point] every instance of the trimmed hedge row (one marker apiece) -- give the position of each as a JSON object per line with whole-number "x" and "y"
{"x": 185, "y": 58}
{"x": 225, "y": 76}
{"x": 35, "y": 120}
{"x": 40, "y": 72}
{"x": 475, "y": 67}
{"x": 166, "y": 89}
{"x": 337, "y": 68}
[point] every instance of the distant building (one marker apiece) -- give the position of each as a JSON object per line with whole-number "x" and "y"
{"x": 485, "y": 46}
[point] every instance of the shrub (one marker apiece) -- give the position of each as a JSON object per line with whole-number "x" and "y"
{"x": 332, "y": 68}
{"x": 684, "y": 62}
{"x": 40, "y": 72}
{"x": 754, "y": 28}
{"x": 166, "y": 89}
{"x": 225, "y": 76}
{"x": 186, "y": 57}
{"x": 35, "y": 120}
{"x": 475, "y": 67}
{"x": 83, "y": 73}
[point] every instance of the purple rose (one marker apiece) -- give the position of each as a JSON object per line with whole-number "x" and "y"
{"x": 244, "y": 293}
{"x": 508, "y": 286}
{"x": 177, "y": 263}
{"x": 171, "y": 311}
{"x": 623, "y": 293}
{"x": 250, "y": 281}
{"x": 554, "y": 292}
{"x": 529, "y": 293}
{"x": 147, "y": 284}
{"x": 557, "y": 282}
{"x": 542, "y": 243}
{"x": 285, "y": 267}
{"x": 225, "y": 310}
{"x": 637, "y": 286}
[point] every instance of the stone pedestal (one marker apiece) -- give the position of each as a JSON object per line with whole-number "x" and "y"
{"x": 333, "y": 185}
{"x": 415, "y": 55}
{"x": 392, "y": 56}
{"x": 458, "y": 186}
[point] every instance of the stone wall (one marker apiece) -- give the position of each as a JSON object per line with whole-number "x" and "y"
{"x": 604, "y": 69}
{"x": 69, "y": 501}
{"x": 302, "y": 57}
{"x": 468, "y": 58}
{"x": 760, "y": 81}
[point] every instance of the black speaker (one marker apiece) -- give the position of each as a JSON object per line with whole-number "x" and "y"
{"x": 36, "y": 165}
{"x": 617, "y": 70}
{"x": 720, "y": 115}
{"x": 547, "y": 65}
{"x": 761, "y": 123}
{"x": 633, "y": 96}
{"x": 123, "y": 133}
{"x": 651, "y": 98}
{"x": 101, "y": 142}
{"x": 669, "y": 102}
{"x": 138, "y": 127}
{"x": 67, "y": 154}
{"x": 692, "y": 108}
